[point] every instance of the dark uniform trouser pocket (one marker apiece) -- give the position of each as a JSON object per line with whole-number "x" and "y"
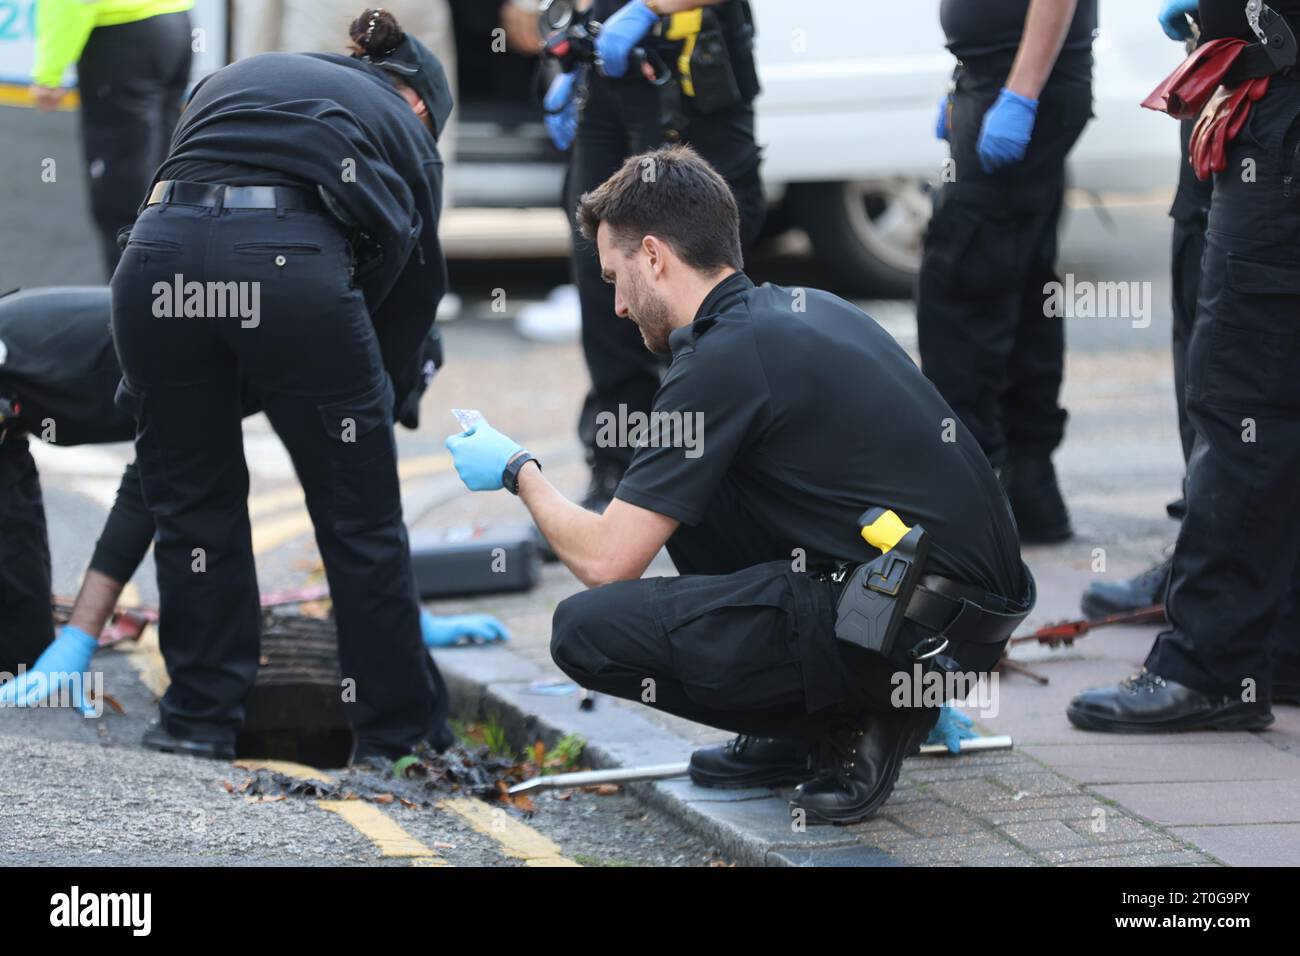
{"x": 363, "y": 475}
{"x": 751, "y": 651}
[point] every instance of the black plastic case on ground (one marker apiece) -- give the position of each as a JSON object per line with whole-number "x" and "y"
{"x": 475, "y": 560}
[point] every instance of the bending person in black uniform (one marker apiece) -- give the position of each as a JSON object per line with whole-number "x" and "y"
{"x": 58, "y": 374}
{"x": 1022, "y": 95}
{"x": 623, "y": 114}
{"x": 785, "y": 414}
{"x": 291, "y": 240}
{"x": 1236, "y": 565}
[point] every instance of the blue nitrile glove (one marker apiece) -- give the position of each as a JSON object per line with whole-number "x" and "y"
{"x": 621, "y": 33}
{"x": 1173, "y": 18}
{"x": 481, "y": 455}
{"x": 446, "y": 631}
{"x": 953, "y": 727}
{"x": 69, "y": 653}
{"x": 561, "y": 106}
{"x": 941, "y": 125}
{"x": 1007, "y": 127}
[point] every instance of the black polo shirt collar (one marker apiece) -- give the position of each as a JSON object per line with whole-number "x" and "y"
{"x": 720, "y": 297}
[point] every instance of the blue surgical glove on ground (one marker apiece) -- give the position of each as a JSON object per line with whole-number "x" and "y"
{"x": 561, "y": 106}
{"x": 1173, "y": 18}
{"x": 481, "y": 455}
{"x": 69, "y": 653}
{"x": 941, "y": 125}
{"x": 1008, "y": 124}
{"x": 446, "y": 631}
{"x": 953, "y": 727}
{"x": 621, "y": 33}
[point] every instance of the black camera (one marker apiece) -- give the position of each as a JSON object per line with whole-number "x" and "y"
{"x": 570, "y": 40}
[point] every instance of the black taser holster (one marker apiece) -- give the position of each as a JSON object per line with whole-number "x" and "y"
{"x": 874, "y": 601}
{"x": 959, "y": 626}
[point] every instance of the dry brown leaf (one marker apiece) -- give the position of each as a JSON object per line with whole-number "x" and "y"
{"x": 384, "y": 798}
{"x": 607, "y": 789}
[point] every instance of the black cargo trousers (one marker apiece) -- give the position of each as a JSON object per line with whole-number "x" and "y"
{"x": 620, "y": 119}
{"x": 746, "y": 647}
{"x": 26, "y": 619}
{"x": 311, "y": 353}
{"x": 984, "y": 338}
{"x": 1236, "y": 560}
{"x": 132, "y": 78}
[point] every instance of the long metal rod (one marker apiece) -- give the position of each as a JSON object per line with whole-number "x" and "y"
{"x": 586, "y": 778}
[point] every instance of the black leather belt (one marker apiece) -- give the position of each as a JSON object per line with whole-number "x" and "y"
{"x": 963, "y": 613}
{"x": 218, "y": 196}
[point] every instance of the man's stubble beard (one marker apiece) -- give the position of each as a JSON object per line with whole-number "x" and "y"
{"x": 650, "y": 313}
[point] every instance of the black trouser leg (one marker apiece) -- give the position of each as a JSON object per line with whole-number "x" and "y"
{"x": 131, "y": 77}
{"x": 623, "y": 371}
{"x": 26, "y": 621}
{"x": 990, "y": 247}
{"x": 355, "y": 503}
{"x": 1032, "y": 418}
{"x": 1188, "y": 249}
{"x": 1234, "y": 564}
{"x": 751, "y": 652}
{"x": 620, "y": 120}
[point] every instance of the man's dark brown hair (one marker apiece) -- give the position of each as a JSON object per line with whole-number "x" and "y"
{"x": 673, "y": 194}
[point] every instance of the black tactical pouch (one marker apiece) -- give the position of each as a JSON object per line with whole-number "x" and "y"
{"x": 712, "y": 75}
{"x": 872, "y": 605}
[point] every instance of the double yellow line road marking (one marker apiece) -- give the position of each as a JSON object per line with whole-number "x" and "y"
{"x": 515, "y": 838}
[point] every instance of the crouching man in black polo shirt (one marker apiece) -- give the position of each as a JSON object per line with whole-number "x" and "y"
{"x": 796, "y": 413}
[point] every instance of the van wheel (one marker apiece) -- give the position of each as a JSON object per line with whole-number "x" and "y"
{"x": 867, "y": 234}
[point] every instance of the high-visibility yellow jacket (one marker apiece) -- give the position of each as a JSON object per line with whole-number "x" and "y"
{"x": 63, "y": 27}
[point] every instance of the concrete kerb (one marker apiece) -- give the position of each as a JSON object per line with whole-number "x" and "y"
{"x": 750, "y": 827}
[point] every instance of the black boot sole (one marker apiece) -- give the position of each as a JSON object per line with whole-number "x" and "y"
{"x": 908, "y": 744}
{"x": 1093, "y": 608}
{"x": 773, "y": 777}
{"x": 1225, "y": 719}
{"x": 189, "y": 748}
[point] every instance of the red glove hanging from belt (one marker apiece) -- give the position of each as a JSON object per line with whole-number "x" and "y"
{"x": 1219, "y": 123}
{"x": 1195, "y": 88}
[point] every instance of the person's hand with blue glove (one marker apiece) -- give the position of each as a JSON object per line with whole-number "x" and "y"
{"x": 1004, "y": 136}
{"x": 481, "y": 455}
{"x": 1173, "y": 18}
{"x": 448, "y": 630}
{"x": 953, "y": 727}
{"x": 50, "y": 676}
{"x": 620, "y": 33}
{"x": 561, "y": 106}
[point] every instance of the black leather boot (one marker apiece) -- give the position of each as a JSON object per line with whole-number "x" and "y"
{"x": 157, "y": 738}
{"x": 857, "y": 769}
{"x": 1111, "y": 597}
{"x": 747, "y": 761}
{"x": 1035, "y": 496}
{"x": 1147, "y": 703}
